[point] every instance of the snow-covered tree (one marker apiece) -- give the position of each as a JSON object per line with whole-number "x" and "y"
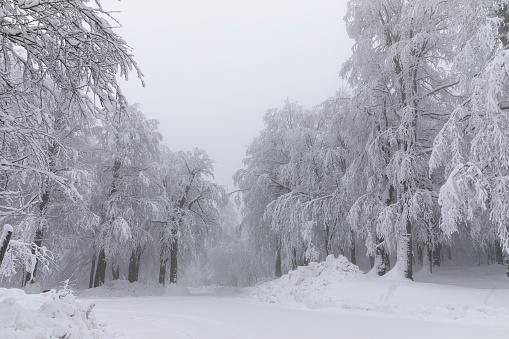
{"x": 57, "y": 57}
{"x": 193, "y": 209}
{"x": 399, "y": 69}
{"x": 472, "y": 147}
{"x": 290, "y": 187}
{"x": 127, "y": 196}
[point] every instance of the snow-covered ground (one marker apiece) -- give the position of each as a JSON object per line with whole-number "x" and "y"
{"x": 50, "y": 314}
{"x": 233, "y": 316}
{"x": 332, "y": 299}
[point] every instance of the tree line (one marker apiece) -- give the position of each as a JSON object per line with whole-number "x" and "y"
{"x": 86, "y": 183}
{"x": 407, "y": 166}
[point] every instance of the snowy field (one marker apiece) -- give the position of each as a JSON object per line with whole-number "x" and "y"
{"x": 332, "y": 299}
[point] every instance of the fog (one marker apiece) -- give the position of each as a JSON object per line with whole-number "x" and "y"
{"x": 212, "y": 68}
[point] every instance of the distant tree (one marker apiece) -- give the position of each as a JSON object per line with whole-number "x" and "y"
{"x": 290, "y": 188}
{"x": 193, "y": 209}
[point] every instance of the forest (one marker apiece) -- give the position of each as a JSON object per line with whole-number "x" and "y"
{"x": 406, "y": 168}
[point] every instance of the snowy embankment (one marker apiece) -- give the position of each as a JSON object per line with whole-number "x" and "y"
{"x": 338, "y": 285}
{"x": 47, "y": 315}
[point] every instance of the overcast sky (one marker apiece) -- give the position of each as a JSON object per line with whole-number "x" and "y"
{"x": 213, "y": 67}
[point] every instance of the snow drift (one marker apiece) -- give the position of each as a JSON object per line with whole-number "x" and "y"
{"x": 309, "y": 284}
{"x": 338, "y": 285}
{"x": 47, "y": 315}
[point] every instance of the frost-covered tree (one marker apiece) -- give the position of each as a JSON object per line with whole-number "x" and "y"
{"x": 472, "y": 147}
{"x": 58, "y": 217}
{"x": 58, "y": 73}
{"x": 193, "y": 209}
{"x": 260, "y": 183}
{"x": 127, "y": 192}
{"x": 56, "y": 56}
{"x": 309, "y": 217}
{"x": 290, "y": 187}
{"x": 399, "y": 68}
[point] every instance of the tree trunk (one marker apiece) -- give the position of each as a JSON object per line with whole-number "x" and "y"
{"x": 173, "y": 261}
{"x": 407, "y": 248}
{"x": 115, "y": 271}
{"x": 163, "y": 261}
{"x": 372, "y": 262}
{"x": 92, "y": 271}
{"x": 134, "y": 265}
{"x": 498, "y": 252}
{"x": 4, "y": 241}
{"x": 382, "y": 257}
{"x": 39, "y": 233}
{"x": 506, "y": 261}
{"x": 382, "y": 260}
{"x": 327, "y": 241}
{"x": 427, "y": 259}
{"x": 353, "y": 259}
{"x": 278, "y": 263}
{"x": 162, "y": 271}
{"x": 30, "y": 276}
{"x": 100, "y": 273}
{"x": 437, "y": 255}
{"x": 294, "y": 259}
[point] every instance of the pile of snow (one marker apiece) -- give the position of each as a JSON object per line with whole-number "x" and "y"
{"x": 47, "y": 315}
{"x": 123, "y": 288}
{"x": 339, "y": 286}
{"x": 311, "y": 284}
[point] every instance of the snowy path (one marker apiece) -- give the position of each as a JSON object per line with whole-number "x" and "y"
{"x": 209, "y": 315}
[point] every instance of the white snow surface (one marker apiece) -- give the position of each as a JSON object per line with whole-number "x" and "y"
{"x": 337, "y": 284}
{"x": 332, "y": 299}
{"x": 311, "y": 285}
{"x": 47, "y": 315}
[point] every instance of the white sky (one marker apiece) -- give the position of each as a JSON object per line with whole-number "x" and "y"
{"x": 213, "y": 67}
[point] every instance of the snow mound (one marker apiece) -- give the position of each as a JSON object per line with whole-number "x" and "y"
{"x": 309, "y": 284}
{"x": 48, "y": 315}
{"x": 340, "y": 286}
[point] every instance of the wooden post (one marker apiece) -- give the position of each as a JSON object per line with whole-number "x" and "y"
{"x": 4, "y": 241}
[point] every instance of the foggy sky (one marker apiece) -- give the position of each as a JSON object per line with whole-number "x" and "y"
{"x": 213, "y": 67}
